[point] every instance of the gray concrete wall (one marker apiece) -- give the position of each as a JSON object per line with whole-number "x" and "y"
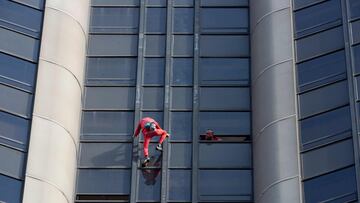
{"x": 51, "y": 167}
{"x": 276, "y": 157}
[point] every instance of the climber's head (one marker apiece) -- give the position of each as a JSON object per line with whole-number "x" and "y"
{"x": 150, "y": 126}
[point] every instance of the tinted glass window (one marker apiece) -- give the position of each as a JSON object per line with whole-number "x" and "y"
{"x": 115, "y": 2}
{"x": 355, "y": 32}
{"x": 13, "y": 130}
{"x": 104, "y": 181}
{"x": 356, "y": 58}
{"x": 153, "y": 98}
{"x": 155, "y": 20}
{"x": 156, "y": 2}
{"x": 182, "y": 71}
{"x": 19, "y": 45}
{"x": 102, "y": 98}
{"x": 224, "y": 98}
{"x": 12, "y": 191}
{"x": 183, "y": 45}
{"x": 224, "y": 46}
{"x": 106, "y": 71}
{"x": 112, "y": 45}
{"x": 224, "y": 3}
{"x": 302, "y": 3}
{"x": 14, "y": 162}
{"x": 184, "y": 2}
{"x": 183, "y": 20}
{"x": 181, "y": 126}
{"x": 114, "y": 20}
{"x": 218, "y": 155}
{"x": 149, "y": 184}
{"x": 225, "y": 184}
{"x": 154, "y": 70}
{"x": 225, "y": 123}
{"x": 181, "y": 98}
{"x": 180, "y": 185}
{"x": 228, "y": 20}
{"x": 105, "y": 154}
{"x": 320, "y": 43}
{"x": 354, "y": 8}
{"x": 180, "y": 155}
{"x": 325, "y": 127}
{"x": 330, "y": 186}
{"x": 15, "y": 101}
{"x": 318, "y": 17}
{"x": 223, "y": 71}
{"x": 155, "y": 45}
{"x": 323, "y": 99}
{"x": 321, "y": 70}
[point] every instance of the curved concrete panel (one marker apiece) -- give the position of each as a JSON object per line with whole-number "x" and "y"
{"x": 55, "y": 130}
{"x": 276, "y": 157}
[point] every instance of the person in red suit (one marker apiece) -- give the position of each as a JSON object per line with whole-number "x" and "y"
{"x": 150, "y": 128}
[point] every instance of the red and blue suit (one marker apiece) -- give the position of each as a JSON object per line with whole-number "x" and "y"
{"x": 149, "y": 134}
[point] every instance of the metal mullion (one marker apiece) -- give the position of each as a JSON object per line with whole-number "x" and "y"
{"x": 139, "y": 75}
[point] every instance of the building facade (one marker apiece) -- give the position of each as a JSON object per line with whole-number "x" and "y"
{"x": 276, "y": 80}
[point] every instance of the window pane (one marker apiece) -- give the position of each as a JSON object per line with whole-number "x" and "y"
{"x": 13, "y": 130}
{"x": 106, "y": 71}
{"x": 184, "y": 2}
{"x": 109, "y": 98}
{"x": 104, "y": 181}
{"x": 149, "y": 184}
{"x": 320, "y": 43}
{"x": 182, "y": 71}
{"x": 225, "y": 123}
{"x": 225, "y": 3}
{"x": 325, "y": 127}
{"x": 223, "y": 71}
{"x": 354, "y": 8}
{"x": 228, "y": 98}
{"x": 19, "y": 45}
{"x": 12, "y": 191}
{"x": 328, "y": 158}
{"x": 180, "y": 155}
{"x": 183, "y": 20}
{"x": 105, "y": 154}
{"x": 153, "y": 98}
{"x": 155, "y": 20}
{"x": 181, "y": 98}
{"x": 319, "y": 17}
{"x": 115, "y": 2}
{"x": 330, "y": 186}
{"x": 155, "y": 45}
{"x": 154, "y": 71}
{"x": 108, "y": 124}
{"x": 224, "y": 155}
{"x": 356, "y": 58}
{"x": 14, "y": 160}
{"x": 225, "y": 185}
{"x": 183, "y": 46}
{"x": 323, "y": 99}
{"x": 114, "y": 20}
{"x": 355, "y": 31}
{"x": 302, "y": 3}
{"x": 224, "y": 46}
{"x": 224, "y": 20}
{"x": 113, "y": 45}
{"x": 20, "y": 18}
{"x": 15, "y": 101}
{"x": 156, "y": 2}
{"x": 322, "y": 70}
{"x": 180, "y": 185}
{"x": 181, "y": 126}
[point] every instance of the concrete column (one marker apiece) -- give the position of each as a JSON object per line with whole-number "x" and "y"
{"x": 276, "y": 157}
{"x": 52, "y": 158}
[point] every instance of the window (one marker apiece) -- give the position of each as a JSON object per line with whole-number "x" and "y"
{"x": 154, "y": 71}
{"x": 324, "y": 99}
{"x": 183, "y": 20}
{"x": 224, "y": 46}
{"x": 227, "y": 185}
{"x": 183, "y": 46}
{"x": 319, "y": 17}
{"x": 156, "y": 3}
{"x": 153, "y": 98}
{"x": 180, "y": 185}
{"x": 155, "y": 45}
{"x": 228, "y": 98}
{"x": 107, "y": 125}
{"x": 224, "y": 71}
{"x": 183, "y": 2}
{"x": 354, "y": 8}
{"x": 182, "y": 71}
{"x": 224, "y": 20}
{"x": 13, "y": 131}
{"x": 155, "y": 20}
{"x": 180, "y": 155}
{"x": 111, "y": 71}
{"x": 339, "y": 186}
{"x": 328, "y": 158}
{"x": 115, "y": 2}
{"x": 224, "y": 155}
{"x": 114, "y": 20}
{"x": 14, "y": 162}
{"x": 223, "y": 3}
{"x": 113, "y": 45}
{"x": 181, "y": 126}
{"x": 322, "y": 70}
{"x": 356, "y": 58}
{"x": 355, "y": 32}
{"x": 109, "y": 98}
{"x": 149, "y": 184}
{"x": 303, "y": 3}
{"x": 181, "y": 98}
{"x": 325, "y": 127}
{"x": 225, "y": 123}
{"x": 319, "y": 44}
{"x": 19, "y": 45}
{"x": 104, "y": 181}
{"x": 105, "y": 154}
{"x": 15, "y": 101}
{"x": 12, "y": 191}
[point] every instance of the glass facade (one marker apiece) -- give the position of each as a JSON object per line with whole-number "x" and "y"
{"x": 189, "y": 70}
{"x": 20, "y": 31}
